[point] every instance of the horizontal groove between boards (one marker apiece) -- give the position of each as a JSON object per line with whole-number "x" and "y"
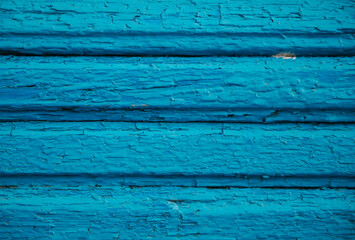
{"x": 10, "y": 108}
{"x": 20, "y": 54}
{"x": 207, "y": 187}
{"x": 149, "y": 121}
{"x": 168, "y": 45}
{"x": 145, "y": 175}
{"x": 174, "y": 115}
{"x": 307, "y": 181}
{"x": 177, "y": 55}
{"x": 346, "y": 32}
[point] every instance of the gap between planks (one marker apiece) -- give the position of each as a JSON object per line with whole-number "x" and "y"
{"x": 231, "y": 55}
{"x": 177, "y": 180}
{"x": 19, "y": 54}
{"x": 175, "y": 115}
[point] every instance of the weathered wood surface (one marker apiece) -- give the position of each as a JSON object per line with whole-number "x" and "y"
{"x": 177, "y": 148}
{"x": 184, "y": 27}
{"x": 106, "y": 212}
{"x": 237, "y": 144}
{"x": 221, "y": 89}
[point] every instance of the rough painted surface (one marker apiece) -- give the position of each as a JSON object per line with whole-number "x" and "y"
{"x": 177, "y": 148}
{"x": 177, "y": 89}
{"x": 184, "y": 27}
{"x": 106, "y": 212}
{"x": 220, "y": 146}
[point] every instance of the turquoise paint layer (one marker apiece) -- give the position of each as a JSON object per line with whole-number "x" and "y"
{"x": 108, "y": 212}
{"x": 177, "y": 148}
{"x": 224, "y": 89}
{"x": 220, "y": 161}
{"x": 201, "y": 27}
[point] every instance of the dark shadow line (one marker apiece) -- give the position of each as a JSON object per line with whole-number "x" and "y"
{"x": 193, "y": 55}
{"x": 83, "y": 108}
{"x": 269, "y": 122}
{"x": 279, "y": 33}
{"x": 176, "y": 175}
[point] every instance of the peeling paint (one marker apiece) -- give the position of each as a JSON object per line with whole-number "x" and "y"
{"x": 185, "y": 126}
{"x": 285, "y": 55}
{"x": 184, "y": 27}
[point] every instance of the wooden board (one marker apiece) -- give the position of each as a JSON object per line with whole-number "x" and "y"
{"x": 107, "y": 212}
{"x": 193, "y": 149}
{"x": 198, "y": 27}
{"x": 222, "y": 89}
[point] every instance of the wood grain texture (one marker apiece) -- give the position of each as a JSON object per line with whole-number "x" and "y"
{"x": 107, "y": 212}
{"x": 184, "y": 27}
{"x": 177, "y": 148}
{"x": 231, "y": 143}
{"x": 224, "y": 89}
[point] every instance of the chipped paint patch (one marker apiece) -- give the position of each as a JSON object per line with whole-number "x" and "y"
{"x": 285, "y": 55}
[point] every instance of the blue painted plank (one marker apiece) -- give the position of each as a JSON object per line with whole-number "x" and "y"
{"x": 225, "y": 89}
{"x": 192, "y": 149}
{"x": 184, "y": 27}
{"x": 106, "y": 212}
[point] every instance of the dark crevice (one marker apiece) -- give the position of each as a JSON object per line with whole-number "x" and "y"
{"x": 174, "y": 175}
{"x": 144, "y": 108}
{"x": 206, "y": 187}
{"x": 133, "y": 55}
{"x": 183, "y": 121}
{"x": 280, "y": 33}
{"x": 243, "y": 187}
{"x": 7, "y": 186}
{"x": 150, "y": 114}
{"x": 209, "y": 181}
